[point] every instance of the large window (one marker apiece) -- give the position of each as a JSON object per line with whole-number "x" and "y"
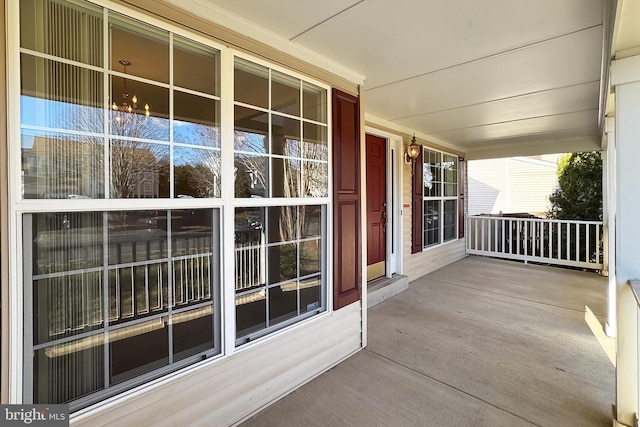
{"x": 281, "y": 188}
{"x": 121, "y": 122}
{"x": 440, "y": 183}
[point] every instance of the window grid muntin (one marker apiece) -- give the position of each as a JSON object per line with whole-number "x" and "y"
{"x": 20, "y": 206}
{"x": 168, "y": 312}
{"x": 108, "y": 73}
{"x": 440, "y": 197}
{"x": 262, "y": 292}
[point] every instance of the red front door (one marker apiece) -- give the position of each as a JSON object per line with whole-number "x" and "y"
{"x": 376, "y": 206}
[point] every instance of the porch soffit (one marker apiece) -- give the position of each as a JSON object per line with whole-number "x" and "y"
{"x": 509, "y": 74}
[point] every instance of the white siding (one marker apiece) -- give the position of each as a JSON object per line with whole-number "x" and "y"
{"x": 224, "y": 392}
{"x": 511, "y": 185}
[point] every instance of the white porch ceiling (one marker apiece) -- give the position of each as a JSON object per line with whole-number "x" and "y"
{"x": 473, "y": 74}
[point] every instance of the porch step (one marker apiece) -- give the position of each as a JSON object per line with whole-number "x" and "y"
{"x": 384, "y": 288}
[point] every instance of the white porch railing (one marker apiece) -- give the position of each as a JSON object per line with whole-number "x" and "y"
{"x": 558, "y": 242}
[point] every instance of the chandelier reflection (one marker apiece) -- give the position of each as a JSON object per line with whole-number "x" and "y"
{"x": 127, "y": 106}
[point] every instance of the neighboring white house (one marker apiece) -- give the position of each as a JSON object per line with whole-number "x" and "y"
{"x": 512, "y": 185}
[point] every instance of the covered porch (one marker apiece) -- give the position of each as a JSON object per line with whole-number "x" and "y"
{"x": 481, "y": 342}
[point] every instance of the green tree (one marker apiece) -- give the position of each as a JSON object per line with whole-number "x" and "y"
{"x": 579, "y": 192}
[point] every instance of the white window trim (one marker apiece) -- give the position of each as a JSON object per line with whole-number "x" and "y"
{"x": 441, "y": 199}
{"x": 18, "y": 206}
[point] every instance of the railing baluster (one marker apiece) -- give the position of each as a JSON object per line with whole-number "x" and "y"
{"x": 568, "y": 241}
{"x": 550, "y": 229}
{"x": 587, "y": 242}
{"x": 526, "y": 240}
{"x": 597, "y": 239}
{"x": 510, "y": 236}
{"x": 475, "y": 233}
{"x": 535, "y": 240}
{"x": 577, "y": 242}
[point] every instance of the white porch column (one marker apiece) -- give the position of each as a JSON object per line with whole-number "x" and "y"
{"x": 609, "y": 220}
{"x": 625, "y": 78}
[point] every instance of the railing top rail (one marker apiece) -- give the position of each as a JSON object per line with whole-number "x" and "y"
{"x": 561, "y": 221}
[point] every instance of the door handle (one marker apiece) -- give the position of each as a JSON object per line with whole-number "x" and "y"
{"x": 384, "y": 221}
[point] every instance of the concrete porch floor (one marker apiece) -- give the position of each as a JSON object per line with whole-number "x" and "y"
{"x": 481, "y": 342}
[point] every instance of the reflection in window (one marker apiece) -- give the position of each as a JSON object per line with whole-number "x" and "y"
{"x": 139, "y": 169}
{"x": 46, "y": 103}
{"x": 116, "y": 134}
{"x": 431, "y": 222}
{"x": 314, "y": 102}
{"x": 197, "y": 120}
{"x": 251, "y": 176}
{"x": 285, "y": 94}
{"x": 285, "y": 139}
{"x": 196, "y": 172}
{"x": 279, "y": 252}
{"x": 281, "y": 152}
{"x": 144, "y": 46}
{"x": 251, "y": 83}
{"x": 78, "y": 38}
{"x": 450, "y": 219}
{"x": 251, "y": 130}
{"x": 195, "y": 66}
{"x": 158, "y": 282}
{"x": 61, "y": 166}
{"x": 440, "y": 197}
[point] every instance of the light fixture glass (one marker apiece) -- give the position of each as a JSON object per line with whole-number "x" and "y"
{"x": 413, "y": 150}
{"x": 127, "y": 107}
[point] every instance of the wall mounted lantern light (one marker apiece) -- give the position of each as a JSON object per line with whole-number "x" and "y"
{"x": 413, "y": 151}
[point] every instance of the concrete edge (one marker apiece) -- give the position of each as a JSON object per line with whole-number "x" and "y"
{"x": 390, "y": 288}
{"x": 608, "y": 344}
